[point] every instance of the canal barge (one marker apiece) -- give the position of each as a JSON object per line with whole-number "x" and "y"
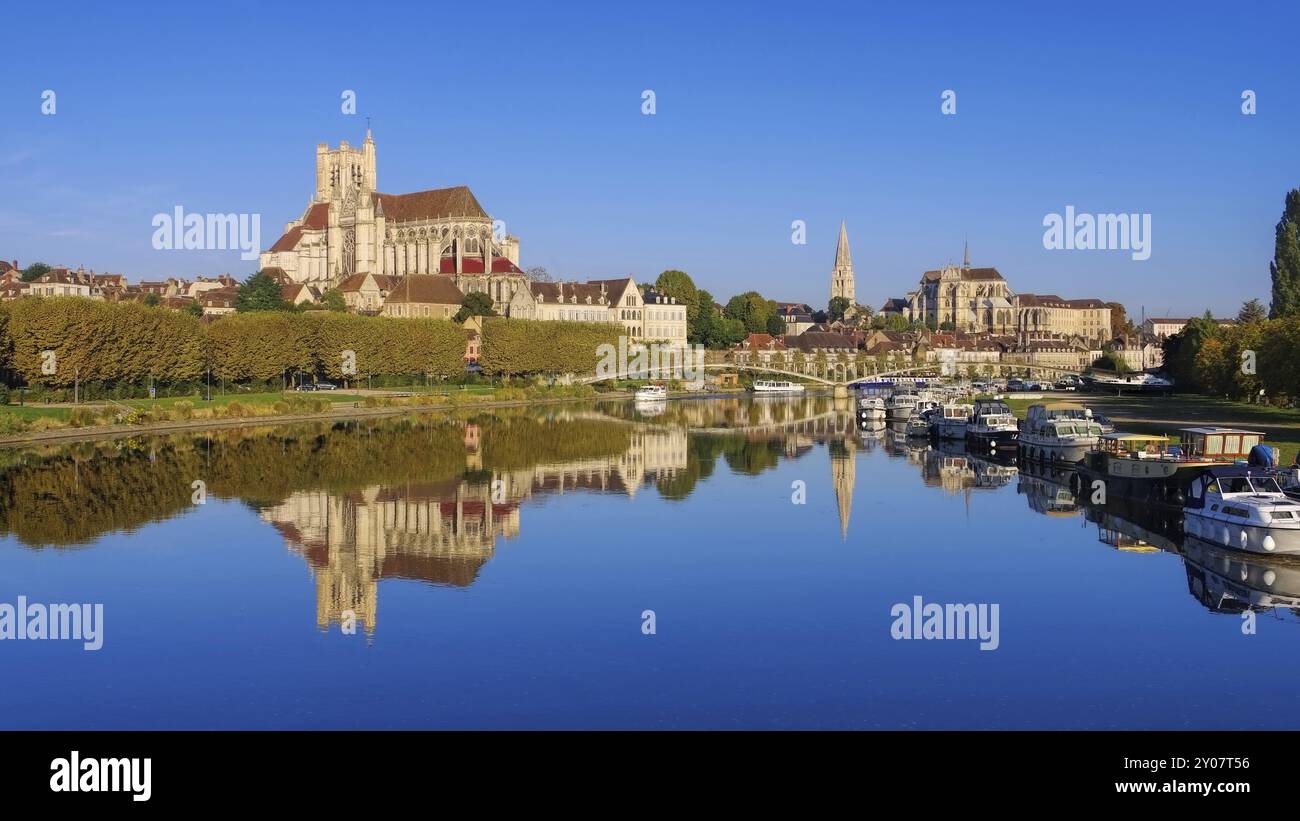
{"x": 1147, "y": 468}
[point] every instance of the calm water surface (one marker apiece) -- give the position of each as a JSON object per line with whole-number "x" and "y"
{"x": 494, "y": 568}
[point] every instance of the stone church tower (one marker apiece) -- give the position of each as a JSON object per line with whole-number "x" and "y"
{"x": 842, "y": 273}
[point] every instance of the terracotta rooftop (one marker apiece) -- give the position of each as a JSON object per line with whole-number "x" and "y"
{"x": 457, "y": 201}
{"x": 426, "y": 288}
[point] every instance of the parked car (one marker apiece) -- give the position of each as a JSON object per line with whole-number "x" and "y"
{"x": 306, "y": 387}
{"x": 1014, "y": 385}
{"x": 326, "y": 386}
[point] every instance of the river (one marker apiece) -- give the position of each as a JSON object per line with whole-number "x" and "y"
{"x": 720, "y": 562}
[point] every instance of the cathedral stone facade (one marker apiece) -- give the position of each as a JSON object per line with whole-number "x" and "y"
{"x": 350, "y": 228}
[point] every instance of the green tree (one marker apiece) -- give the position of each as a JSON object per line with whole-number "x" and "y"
{"x": 1285, "y": 267}
{"x": 775, "y": 325}
{"x": 1181, "y": 350}
{"x": 333, "y": 300}
{"x": 193, "y": 308}
{"x": 1252, "y": 311}
{"x": 680, "y": 286}
{"x": 837, "y": 307}
{"x": 727, "y": 332}
{"x": 1111, "y": 360}
{"x": 699, "y": 328}
{"x": 752, "y": 310}
{"x": 475, "y": 303}
{"x": 260, "y": 293}
{"x": 34, "y": 271}
{"x": 152, "y": 300}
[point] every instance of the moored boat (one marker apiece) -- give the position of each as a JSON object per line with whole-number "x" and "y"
{"x": 651, "y": 393}
{"x": 1242, "y": 508}
{"x": 776, "y": 386}
{"x": 918, "y": 425}
{"x": 951, "y": 420}
{"x": 870, "y": 411}
{"x": 1057, "y": 432}
{"x": 901, "y": 406}
{"x": 1149, "y": 469}
{"x": 992, "y": 425}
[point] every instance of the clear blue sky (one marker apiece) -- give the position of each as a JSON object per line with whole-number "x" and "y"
{"x": 766, "y": 113}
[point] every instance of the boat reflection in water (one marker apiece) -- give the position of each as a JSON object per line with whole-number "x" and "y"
{"x": 1222, "y": 580}
{"x": 1047, "y": 488}
{"x": 1229, "y": 581}
{"x": 948, "y": 464}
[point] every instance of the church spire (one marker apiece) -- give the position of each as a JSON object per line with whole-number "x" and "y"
{"x": 966, "y": 256}
{"x": 842, "y": 274}
{"x": 842, "y": 257}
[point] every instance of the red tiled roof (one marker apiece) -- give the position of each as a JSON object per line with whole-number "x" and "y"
{"x": 219, "y": 298}
{"x": 318, "y": 217}
{"x": 426, "y": 288}
{"x": 289, "y": 241}
{"x": 354, "y": 282}
{"x": 569, "y": 293}
{"x": 474, "y": 265}
{"x": 457, "y": 201}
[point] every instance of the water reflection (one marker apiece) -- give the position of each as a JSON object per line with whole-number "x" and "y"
{"x": 428, "y": 498}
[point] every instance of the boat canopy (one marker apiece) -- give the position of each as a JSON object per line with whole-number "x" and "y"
{"x": 1137, "y": 443}
{"x": 1219, "y": 443}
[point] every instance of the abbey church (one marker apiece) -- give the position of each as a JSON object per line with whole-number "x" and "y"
{"x": 350, "y": 228}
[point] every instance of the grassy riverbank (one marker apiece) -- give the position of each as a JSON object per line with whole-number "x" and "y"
{"x": 1166, "y": 414}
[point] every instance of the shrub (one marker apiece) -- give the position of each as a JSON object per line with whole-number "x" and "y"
{"x": 11, "y": 424}
{"x": 183, "y": 410}
{"x": 81, "y": 417}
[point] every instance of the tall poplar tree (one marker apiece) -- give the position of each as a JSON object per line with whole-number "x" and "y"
{"x": 1285, "y": 267}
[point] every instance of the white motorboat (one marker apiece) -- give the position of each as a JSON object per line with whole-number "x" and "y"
{"x": 871, "y": 411}
{"x": 1242, "y": 508}
{"x": 901, "y": 406}
{"x": 774, "y": 386}
{"x": 652, "y": 393}
{"x": 1058, "y": 432}
{"x": 1133, "y": 382}
{"x": 992, "y": 424}
{"x": 951, "y": 420}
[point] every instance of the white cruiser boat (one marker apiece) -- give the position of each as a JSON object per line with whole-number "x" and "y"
{"x": 1134, "y": 382}
{"x": 992, "y": 425}
{"x": 773, "y": 386}
{"x": 1242, "y": 508}
{"x": 901, "y": 406}
{"x": 1058, "y": 432}
{"x": 871, "y": 411}
{"x": 652, "y": 393}
{"x": 951, "y": 420}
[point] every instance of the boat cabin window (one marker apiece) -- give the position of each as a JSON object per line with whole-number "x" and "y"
{"x": 1265, "y": 484}
{"x": 1235, "y": 484}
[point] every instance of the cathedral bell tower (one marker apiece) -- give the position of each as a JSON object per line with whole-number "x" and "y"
{"x": 345, "y": 179}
